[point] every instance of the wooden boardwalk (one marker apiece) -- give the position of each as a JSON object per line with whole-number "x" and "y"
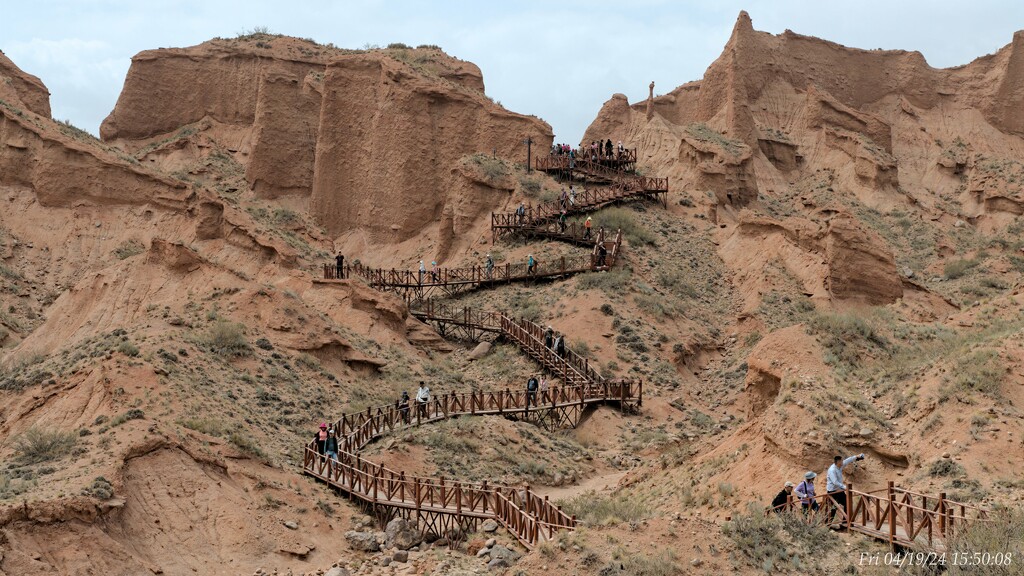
{"x": 898, "y": 516}
{"x": 413, "y": 285}
{"x": 451, "y": 508}
{"x": 537, "y": 220}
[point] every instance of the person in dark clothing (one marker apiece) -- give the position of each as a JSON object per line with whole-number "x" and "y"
{"x": 331, "y": 446}
{"x": 608, "y": 148}
{"x": 782, "y": 498}
{"x": 339, "y": 265}
{"x": 560, "y": 346}
{"x": 549, "y": 337}
{"x": 602, "y": 254}
{"x": 531, "y": 391}
{"x": 403, "y": 407}
{"x": 321, "y": 438}
{"x": 562, "y": 218}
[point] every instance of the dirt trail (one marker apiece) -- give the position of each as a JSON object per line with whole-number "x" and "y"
{"x": 605, "y": 482}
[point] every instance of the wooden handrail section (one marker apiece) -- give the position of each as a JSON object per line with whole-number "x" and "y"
{"x": 438, "y": 503}
{"x": 413, "y": 285}
{"x": 898, "y": 516}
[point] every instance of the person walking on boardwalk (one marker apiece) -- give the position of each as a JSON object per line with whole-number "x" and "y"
{"x": 521, "y": 214}
{"x": 572, "y": 196}
{"x": 602, "y": 254}
{"x": 422, "y": 399}
{"x": 403, "y": 407}
{"x": 321, "y": 438}
{"x": 331, "y": 447}
{"x": 423, "y": 270}
{"x": 560, "y": 346}
{"x": 805, "y": 492}
{"x": 542, "y": 387}
{"x": 531, "y": 391}
{"x": 562, "y": 219}
{"x": 563, "y": 200}
{"x": 621, "y": 149}
{"x": 587, "y": 224}
{"x": 549, "y": 337}
{"x": 608, "y": 148}
{"x": 531, "y": 265}
{"x": 339, "y": 266}
{"x": 488, "y": 266}
{"x": 435, "y": 271}
{"x": 834, "y": 484}
{"x": 779, "y": 503}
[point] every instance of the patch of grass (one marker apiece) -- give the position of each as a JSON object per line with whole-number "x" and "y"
{"x": 227, "y": 339}
{"x": 618, "y": 218}
{"x": 981, "y": 371}
{"x": 660, "y": 564}
{"x": 128, "y": 349}
{"x": 246, "y": 444}
{"x": 133, "y": 414}
{"x": 845, "y": 336}
{"x": 1002, "y": 537}
{"x": 613, "y": 281}
{"x": 599, "y": 510}
{"x": 39, "y": 445}
{"x": 777, "y": 541}
{"x": 100, "y": 489}
{"x": 705, "y": 133}
{"x": 946, "y": 468}
{"x": 128, "y": 249}
{"x": 957, "y": 268}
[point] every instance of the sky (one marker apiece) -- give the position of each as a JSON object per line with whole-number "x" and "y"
{"x": 557, "y": 59}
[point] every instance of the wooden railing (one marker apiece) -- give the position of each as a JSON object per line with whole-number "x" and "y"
{"x": 525, "y": 514}
{"x": 473, "y": 276}
{"x": 898, "y": 516}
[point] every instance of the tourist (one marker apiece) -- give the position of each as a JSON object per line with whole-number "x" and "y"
{"x": 549, "y": 337}
{"x": 608, "y": 148}
{"x": 321, "y": 438}
{"x": 488, "y": 266}
{"x": 339, "y": 265}
{"x": 621, "y": 149}
{"x": 834, "y": 484}
{"x": 423, "y": 270}
{"x": 563, "y": 199}
{"x": 521, "y": 213}
{"x": 586, "y": 228}
{"x": 781, "y": 501}
{"x": 602, "y": 254}
{"x": 422, "y": 399}
{"x": 531, "y": 265}
{"x": 562, "y": 217}
{"x": 435, "y": 271}
{"x": 543, "y": 385}
{"x": 805, "y": 492}
{"x": 560, "y": 346}
{"x": 572, "y": 196}
{"x": 331, "y": 446}
{"x": 403, "y": 407}
{"x": 531, "y": 391}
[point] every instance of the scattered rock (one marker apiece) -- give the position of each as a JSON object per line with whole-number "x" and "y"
{"x": 400, "y": 556}
{"x": 498, "y": 564}
{"x": 482, "y": 552}
{"x": 291, "y": 524}
{"x": 490, "y": 543}
{"x": 866, "y": 432}
{"x": 489, "y": 526}
{"x": 363, "y": 541}
{"x": 499, "y": 551}
{"x": 441, "y": 542}
{"x": 386, "y": 561}
{"x": 337, "y": 571}
{"x": 696, "y": 562}
{"x": 401, "y": 534}
{"x": 945, "y": 454}
{"x": 482, "y": 349}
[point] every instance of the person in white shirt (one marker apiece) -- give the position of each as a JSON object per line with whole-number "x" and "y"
{"x": 834, "y": 484}
{"x": 422, "y": 398}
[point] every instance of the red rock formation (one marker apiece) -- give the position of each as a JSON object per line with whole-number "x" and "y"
{"x": 19, "y": 88}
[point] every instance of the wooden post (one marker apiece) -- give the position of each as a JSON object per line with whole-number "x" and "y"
{"x": 892, "y": 514}
{"x": 941, "y": 509}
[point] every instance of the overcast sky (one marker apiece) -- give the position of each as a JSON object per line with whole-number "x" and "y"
{"x": 558, "y": 59}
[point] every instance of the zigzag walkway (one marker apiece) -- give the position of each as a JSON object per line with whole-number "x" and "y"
{"x": 624, "y": 186}
{"x": 899, "y": 516}
{"x": 413, "y": 285}
{"x": 453, "y": 508}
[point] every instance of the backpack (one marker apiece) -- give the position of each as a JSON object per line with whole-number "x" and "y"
{"x": 531, "y": 384}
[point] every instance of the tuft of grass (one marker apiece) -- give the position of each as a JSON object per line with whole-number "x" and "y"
{"x": 133, "y": 414}
{"x": 128, "y": 249}
{"x": 128, "y": 349}
{"x": 957, "y": 268}
{"x": 595, "y": 510}
{"x": 982, "y": 371}
{"x": 1001, "y": 537}
{"x": 946, "y": 468}
{"x": 101, "y": 489}
{"x": 39, "y": 445}
{"x": 227, "y": 339}
{"x": 619, "y": 218}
